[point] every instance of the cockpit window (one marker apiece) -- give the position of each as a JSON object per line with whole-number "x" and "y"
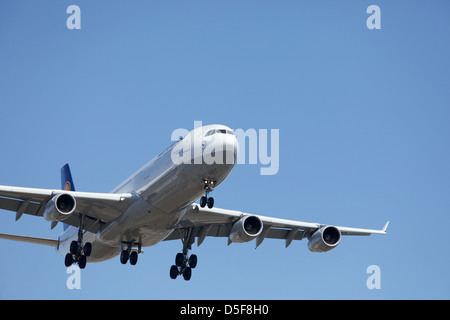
{"x": 214, "y": 131}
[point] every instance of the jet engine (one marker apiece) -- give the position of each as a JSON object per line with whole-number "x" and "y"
{"x": 246, "y": 229}
{"x": 324, "y": 239}
{"x": 60, "y": 207}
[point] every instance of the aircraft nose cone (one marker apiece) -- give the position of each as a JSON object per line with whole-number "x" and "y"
{"x": 222, "y": 149}
{"x": 231, "y": 149}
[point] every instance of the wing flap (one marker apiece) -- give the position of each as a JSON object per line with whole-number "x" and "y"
{"x": 15, "y": 205}
{"x": 284, "y": 234}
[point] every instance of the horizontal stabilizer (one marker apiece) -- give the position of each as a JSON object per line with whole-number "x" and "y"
{"x": 46, "y": 242}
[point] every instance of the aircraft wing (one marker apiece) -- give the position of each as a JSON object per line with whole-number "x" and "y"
{"x": 98, "y": 208}
{"x": 216, "y": 222}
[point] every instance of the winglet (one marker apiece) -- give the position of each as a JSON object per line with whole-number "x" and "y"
{"x": 385, "y": 227}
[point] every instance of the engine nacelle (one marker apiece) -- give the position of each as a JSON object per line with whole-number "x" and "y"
{"x": 60, "y": 207}
{"x": 246, "y": 229}
{"x": 324, "y": 239}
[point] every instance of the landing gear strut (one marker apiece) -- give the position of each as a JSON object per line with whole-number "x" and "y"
{"x": 78, "y": 253}
{"x": 208, "y": 185}
{"x": 184, "y": 263}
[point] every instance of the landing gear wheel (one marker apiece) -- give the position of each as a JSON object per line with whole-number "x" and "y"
{"x": 203, "y": 201}
{"x": 208, "y": 186}
{"x": 210, "y": 202}
{"x": 183, "y": 262}
{"x": 82, "y": 262}
{"x": 187, "y": 274}
{"x": 193, "y": 261}
{"x": 68, "y": 261}
{"x": 133, "y": 258}
{"x": 124, "y": 255}
{"x": 179, "y": 260}
{"x": 74, "y": 247}
{"x": 130, "y": 252}
{"x": 87, "y": 249}
{"x": 173, "y": 272}
{"x": 77, "y": 252}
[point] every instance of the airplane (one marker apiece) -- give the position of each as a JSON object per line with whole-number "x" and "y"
{"x": 157, "y": 203}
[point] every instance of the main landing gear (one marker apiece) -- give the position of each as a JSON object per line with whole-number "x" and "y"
{"x": 184, "y": 263}
{"x": 129, "y": 253}
{"x": 78, "y": 253}
{"x": 208, "y": 185}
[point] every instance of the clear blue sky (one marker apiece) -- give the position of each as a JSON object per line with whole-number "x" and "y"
{"x": 364, "y": 136}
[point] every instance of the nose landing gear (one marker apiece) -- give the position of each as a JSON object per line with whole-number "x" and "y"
{"x": 208, "y": 186}
{"x": 207, "y": 201}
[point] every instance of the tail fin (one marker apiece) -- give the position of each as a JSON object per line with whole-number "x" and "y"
{"x": 66, "y": 183}
{"x": 66, "y": 179}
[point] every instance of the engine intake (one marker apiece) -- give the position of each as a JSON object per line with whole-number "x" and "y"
{"x": 60, "y": 207}
{"x": 324, "y": 239}
{"x": 246, "y": 229}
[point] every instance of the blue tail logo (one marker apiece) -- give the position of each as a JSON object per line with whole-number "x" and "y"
{"x": 66, "y": 178}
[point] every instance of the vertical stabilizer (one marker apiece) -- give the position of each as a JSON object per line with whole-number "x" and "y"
{"x": 66, "y": 183}
{"x": 66, "y": 178}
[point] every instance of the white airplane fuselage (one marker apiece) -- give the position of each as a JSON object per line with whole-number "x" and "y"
{"x": 164, "y": 189}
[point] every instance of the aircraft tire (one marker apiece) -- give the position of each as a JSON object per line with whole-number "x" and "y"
{"x": 193, "y": 261}
{"x": 187, "y": 274}
{"x": 82, "y": 261}
{"x": 203, "y": 201}
{"x": 179, "y": 260}
{"x": 68, "y": 261}
{"x": 173, "y": 272}
{"x": 87, "y": 249}
{"x": 124, "y": 255}
{"x": 133, "y": 258}
{"x": 74, "y": 247}
{"x": 210, "y": 202}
